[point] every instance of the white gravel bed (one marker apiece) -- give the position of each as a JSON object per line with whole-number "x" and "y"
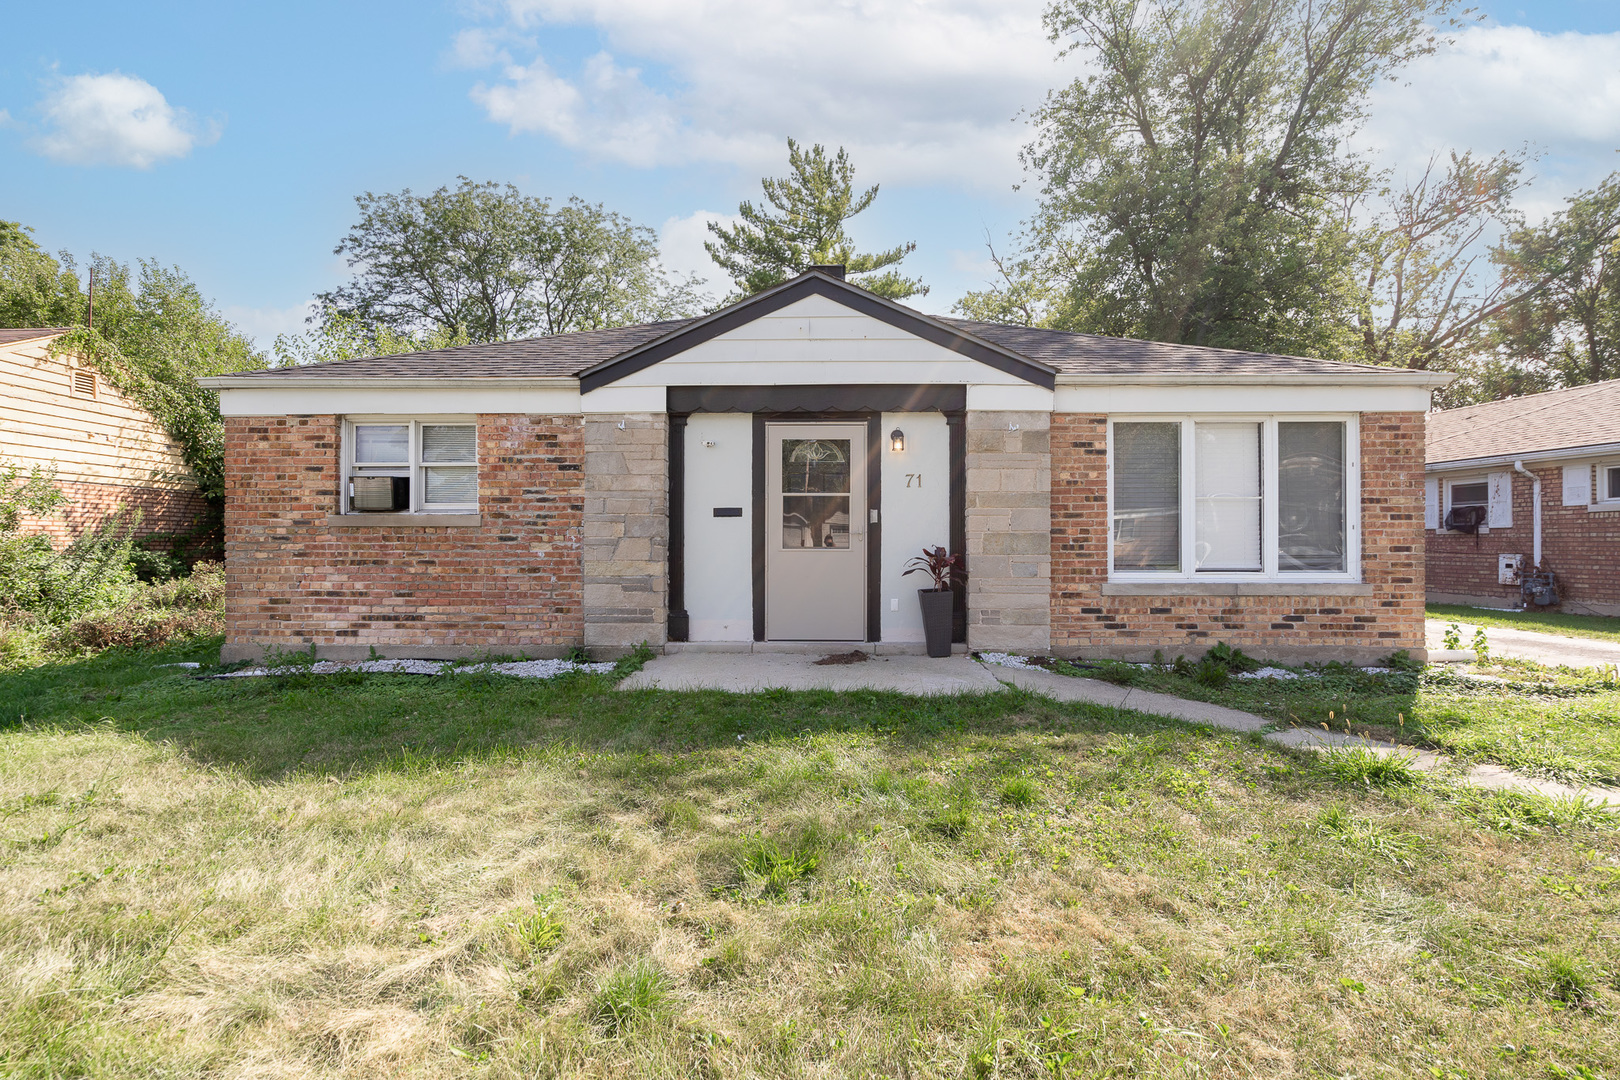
{"x": 522, "y": 669}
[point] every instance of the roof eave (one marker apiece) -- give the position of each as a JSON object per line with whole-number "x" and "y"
{"x": 1590, "y": 450}
{"x": 390, "y": 382}
{"x": 1429, "y": 380}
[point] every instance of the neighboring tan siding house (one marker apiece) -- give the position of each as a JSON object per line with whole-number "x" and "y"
{"x": 105, "y": 449}
{"x": 1569, "y": 441}
{"x": 757, "y": 479}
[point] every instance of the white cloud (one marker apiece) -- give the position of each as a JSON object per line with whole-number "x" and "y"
{"x": 116, "y": 119}
{"x": 1501, "y": 88}
{"x": 681, "y": 250}
{"x": 917, "y": 92}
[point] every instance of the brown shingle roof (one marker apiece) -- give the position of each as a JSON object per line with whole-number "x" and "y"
{"x": 1073, "y": 353}
{"x": 1536, "y": 423}
{"x": 560, "y": 355}
{"x": 10, "y": 336}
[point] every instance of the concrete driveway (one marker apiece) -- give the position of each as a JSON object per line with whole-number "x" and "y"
{"x": 1550, "y": 649}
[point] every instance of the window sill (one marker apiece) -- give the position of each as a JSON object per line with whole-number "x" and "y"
{"x": 407, "y": 521}
{"x": 1235, "y": 588}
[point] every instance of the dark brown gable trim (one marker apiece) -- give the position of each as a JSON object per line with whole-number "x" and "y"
{"x": 639, "y": 359}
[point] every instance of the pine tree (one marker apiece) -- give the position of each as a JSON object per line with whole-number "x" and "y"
{"x": 803, "y": 226}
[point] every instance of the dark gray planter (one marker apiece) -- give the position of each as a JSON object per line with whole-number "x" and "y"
{"x": 936, "y": 613}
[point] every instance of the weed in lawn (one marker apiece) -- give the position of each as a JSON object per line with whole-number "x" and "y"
{"x": 774, "y": 867}
{"x": 630, "y": 995}
{"x": 537, "y": 931}
{"x": 1452, "y": 638}
{"x": 1364, "y": 765}
{"x": 1567, "y": 979}
{"x": 1020, "y": 791}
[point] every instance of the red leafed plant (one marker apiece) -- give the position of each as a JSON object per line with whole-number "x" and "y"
{"x": 938, "y": 565}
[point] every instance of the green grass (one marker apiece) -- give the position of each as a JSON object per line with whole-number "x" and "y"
{"x": 386, "y": 875}
{"x": 1597, "y": 627}
{"x": 1558, "y": 723}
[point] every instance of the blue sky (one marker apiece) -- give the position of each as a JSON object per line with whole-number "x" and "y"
{"x": 231, "y": 139}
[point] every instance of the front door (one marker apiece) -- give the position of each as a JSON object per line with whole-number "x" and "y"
{"x": 815, "y": 532}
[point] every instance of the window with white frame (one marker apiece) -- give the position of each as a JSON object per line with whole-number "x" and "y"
{"x": 398, "y": 465}
{"x": 1608, "y": 477}
{"x": 1234, "y": 498}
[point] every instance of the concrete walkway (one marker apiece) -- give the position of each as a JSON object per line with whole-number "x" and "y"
{"x": 1549, "y": 649}
{"x": 921, "y": 675}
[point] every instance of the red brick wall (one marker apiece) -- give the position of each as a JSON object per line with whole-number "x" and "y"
{"x": 163, "y": 510}
{"x": 1581, "y": 547}
{"x": 511, "y": 585}
{"x": 1303, "y": 626}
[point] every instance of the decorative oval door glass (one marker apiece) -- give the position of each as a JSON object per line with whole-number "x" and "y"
{"x": 815, "y": 493}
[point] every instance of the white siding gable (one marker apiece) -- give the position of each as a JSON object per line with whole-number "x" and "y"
{"x": 817, "y": 342}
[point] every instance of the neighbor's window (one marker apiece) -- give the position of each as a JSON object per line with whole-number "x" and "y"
{"x": 1465, "y": 496}
{"x": 1241, "y": 498}
{"x": 1610, "y": 483}
{"x": 401, "y": 466}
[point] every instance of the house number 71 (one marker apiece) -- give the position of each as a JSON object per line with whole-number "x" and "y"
{"x": 910, "y": 476}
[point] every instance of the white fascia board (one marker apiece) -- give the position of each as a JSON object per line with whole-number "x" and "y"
{"x": 1021, "y": 397}
{"x": 1568, "y": 453}
{"x": 376, "y": 397}
{"x": 1352, "y": 376}
{"x": 1223, "y": 395}
{"x": 616, "y": 398}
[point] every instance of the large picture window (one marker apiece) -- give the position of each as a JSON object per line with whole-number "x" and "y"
{"x": 1233, "y": 498}
{"x": 410, "y": 465}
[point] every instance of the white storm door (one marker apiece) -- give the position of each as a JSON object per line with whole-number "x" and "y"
{"x": 815, "y": 532}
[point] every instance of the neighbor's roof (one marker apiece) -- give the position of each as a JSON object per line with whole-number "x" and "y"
{"x": 1534, "y": 424}
{"x": 27, "y": 333}
{"x": 1067, "y": 354}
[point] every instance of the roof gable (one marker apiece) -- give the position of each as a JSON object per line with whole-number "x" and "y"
{"x": 732, "y": 323}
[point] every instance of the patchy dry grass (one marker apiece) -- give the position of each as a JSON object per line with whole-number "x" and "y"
{"x": 386, "y": 876}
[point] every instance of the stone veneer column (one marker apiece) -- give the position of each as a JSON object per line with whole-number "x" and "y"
{"x": 626, "y": 564}
{"x": 1009, "y": 530}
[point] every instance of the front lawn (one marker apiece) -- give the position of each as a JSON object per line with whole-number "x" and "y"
{"x": 476, "y": 875}
{"x": 1559, "y": 723}
{"x": 1597, "y": 627}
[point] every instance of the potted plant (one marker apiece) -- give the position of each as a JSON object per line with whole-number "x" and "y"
{"x": 937, "y": 602}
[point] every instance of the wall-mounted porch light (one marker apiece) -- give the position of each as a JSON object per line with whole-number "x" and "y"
{"x": 897, "y": 440}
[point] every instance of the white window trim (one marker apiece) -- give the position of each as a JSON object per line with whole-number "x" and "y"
{"x": 1268, "y": 523}
{"x": 413, "y": 469}
{"x": 1446, "y": 484}
{"x": 1600, "y": 485}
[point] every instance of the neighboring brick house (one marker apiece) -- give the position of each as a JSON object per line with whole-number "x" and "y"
{"x": 106, "y": 450}
{"x": 757, "y": 479}
{"x": 1538, "y": 480}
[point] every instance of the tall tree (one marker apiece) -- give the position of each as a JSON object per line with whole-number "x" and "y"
{"x": 1569, "y": 269}
{"x": 489, "y": 263}
{"x": 803, "y": 226}
{"x": 1194, "y": 185}
{"x": 35, "y": 289}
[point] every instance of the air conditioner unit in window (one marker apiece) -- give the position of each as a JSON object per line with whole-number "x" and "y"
{"x": 379, "y": 494}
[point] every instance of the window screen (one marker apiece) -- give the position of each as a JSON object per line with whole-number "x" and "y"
{"x": 1147, "y": 496}
{"x": 1228, "y": 497}
{"x": 1614, "y": 482}
{"x": 382, "y": 444}
{"x": 1475, "y": 494}
{"x": 1311, "y": 533}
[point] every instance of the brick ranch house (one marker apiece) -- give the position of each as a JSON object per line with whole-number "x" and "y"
{"x": 760, "y": 476}
{"x": 107, "y": 451}
{"x": 1529, "y": 481}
